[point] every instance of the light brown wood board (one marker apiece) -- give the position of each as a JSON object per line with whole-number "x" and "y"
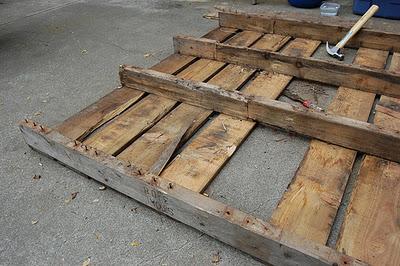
{"x": 207, "y": 153}
{"x": 308, "y": 208}
{"x": 95, "y": 115}
{"x": 371, "y": 229}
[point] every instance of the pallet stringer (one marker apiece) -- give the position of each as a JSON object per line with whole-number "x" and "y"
{"x": 346, "y": 132}
{"x": 362, "y": 78}
{"x": 229, "y": 225}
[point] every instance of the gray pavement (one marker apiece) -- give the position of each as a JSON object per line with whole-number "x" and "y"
{"x": 56, "y": 57}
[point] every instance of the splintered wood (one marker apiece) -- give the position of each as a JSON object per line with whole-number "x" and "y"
{"x": 164, "y": 135}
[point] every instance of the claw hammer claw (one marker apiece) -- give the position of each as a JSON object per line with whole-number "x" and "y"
{"x": 335, "y": 50}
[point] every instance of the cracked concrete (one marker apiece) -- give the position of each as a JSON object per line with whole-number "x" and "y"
{"x": 56, "y": 57}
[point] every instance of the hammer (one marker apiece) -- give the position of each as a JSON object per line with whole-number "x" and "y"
{"x": 335, "y": 51}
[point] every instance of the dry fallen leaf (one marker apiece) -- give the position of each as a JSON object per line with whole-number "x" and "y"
{"x": 86, "y": 262}
{"x": 73, "y": 196}
{"x": 36, "y": 177}
{"x": 135, "y": 243}
{"x": 216, "y": 258}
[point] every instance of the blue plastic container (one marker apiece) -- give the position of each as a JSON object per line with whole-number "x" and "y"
{"x": 387, "y": 8}
{"x": 305, "y": 3}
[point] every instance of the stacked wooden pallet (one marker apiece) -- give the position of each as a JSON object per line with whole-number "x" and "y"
{"x": 140, "y": 139}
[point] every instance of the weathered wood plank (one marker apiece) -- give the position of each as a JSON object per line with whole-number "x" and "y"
{"x": 123, "y": 129}
{"x": 311, "y": 27}
{"x": 371, "y": 227}
{"x": 219, "y": 220}
{"x": 339, "y": 74}
{"x": 334, "y": 129}
{"x": 94, "y": 116}
{"x": 206, "y": 154}
{"x": 309, "y": 206}
{"x": 153, "y": 150}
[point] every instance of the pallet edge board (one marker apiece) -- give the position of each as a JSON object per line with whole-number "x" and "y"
{"x": 230, "y": 225}
{"x": 342, "y": 131}
{"x": 326, "y": 29}
{"x": 362, "y": 78}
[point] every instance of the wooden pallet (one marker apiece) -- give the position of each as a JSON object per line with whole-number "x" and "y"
{"x": 131, "y": 139}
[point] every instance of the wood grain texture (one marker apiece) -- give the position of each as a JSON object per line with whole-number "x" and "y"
{"x": 134, "y": 121}
{"x": 94, "y": 116}
{"x": 219, "y": 220}
{"x": 339, "y": 74}
{"x": 309, "y": 206}
{"x": 206, "y": 154}
{"x": 371, "y": 227}
{"x": 311, "y": 27}
{"x": 152, "y": 151}
{"x": 244, "y": 38}
{"x": 338, "y": 130}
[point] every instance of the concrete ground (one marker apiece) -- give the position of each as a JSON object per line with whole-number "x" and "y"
{"x": 56, "y": 57}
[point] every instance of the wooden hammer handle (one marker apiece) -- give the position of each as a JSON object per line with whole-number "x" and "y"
{"x": 371, "y": 11}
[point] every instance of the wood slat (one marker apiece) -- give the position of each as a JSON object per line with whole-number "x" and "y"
{"x": 309, "y": 206}
{"x": 311, "y": 27}
{"x": 219, "y": 220}
{"x": 371, "y": 227}
{"x": 206, "y": 154}
{"x": 92, "y": 117}
{"x": 153, "y": 150}
{"x": 120, "y": 133}
{"x": 330, "y": 72}
{"x": 123, "y": 130}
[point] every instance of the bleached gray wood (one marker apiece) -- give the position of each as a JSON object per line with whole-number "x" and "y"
{"x": 230, "y": 225}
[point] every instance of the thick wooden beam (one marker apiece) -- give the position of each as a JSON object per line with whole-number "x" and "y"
{"x": 346, "y": 132}
{"x": 338, "y": 74}
{"x": 230, "y": 225}
{"x": 310, "y": 27}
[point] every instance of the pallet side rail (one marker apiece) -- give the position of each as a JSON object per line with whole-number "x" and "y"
{"x": 338, "y": 74}
{"x": 230, "y": 225}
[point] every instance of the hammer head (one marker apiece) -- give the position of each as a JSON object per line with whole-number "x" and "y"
{"x": 334, "y": 51}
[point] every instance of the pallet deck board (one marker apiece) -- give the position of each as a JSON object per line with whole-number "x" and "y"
{"x": 371, "y": 229}
{"x": 309, "y": 206}
{"x": 208, "y": 152}
{"x": 163, "y": 147}
{"x": 163, "y": 152}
